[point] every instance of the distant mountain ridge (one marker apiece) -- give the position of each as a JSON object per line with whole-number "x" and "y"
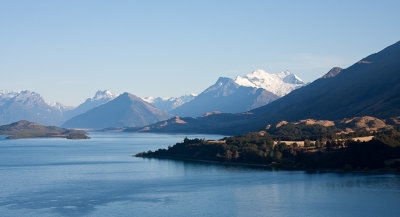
{"x": 230, "y": 97}
{"x": 127, "y": 110}
{"x": 170, "y": 103}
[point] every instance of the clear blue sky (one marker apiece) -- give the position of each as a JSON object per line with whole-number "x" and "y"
{"x": 66, "y": 50}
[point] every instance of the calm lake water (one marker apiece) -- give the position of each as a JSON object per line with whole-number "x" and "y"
{"x": 99, "y": 177}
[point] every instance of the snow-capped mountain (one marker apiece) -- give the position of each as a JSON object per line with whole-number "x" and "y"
{"x": 101, "y": 97}
{"x": 280, "y": 83}
{"x": 27, "y": 105}
{"x": 225, "y": 96}
{"x": 60, "y": 106}
{"x": 168, "y": 104}
{"x": 104, "y": 95}
{"x": 242, "y": 94}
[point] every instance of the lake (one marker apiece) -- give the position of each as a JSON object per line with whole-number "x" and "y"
{"x": 99, "y": 177}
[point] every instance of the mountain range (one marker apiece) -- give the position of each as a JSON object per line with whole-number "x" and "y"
{"x": 27, "y": 105}
{"x": 232, "y": 96}
{"x": 225, "y": 96}
{"x": 370, "y": 87}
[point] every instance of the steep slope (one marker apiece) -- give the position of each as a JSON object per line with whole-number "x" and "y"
{"x": 279, "y": 84}
{"x": 168, "y": 104}
{"x": 370, "y": 87}
{"x": 126, "y": 110}
{"x": 27, "y": 105}
{"x": 100, "y": 98}
{"x": 225, "y": 96}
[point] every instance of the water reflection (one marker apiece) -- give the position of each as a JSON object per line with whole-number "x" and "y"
{"x": 100, "y": 178}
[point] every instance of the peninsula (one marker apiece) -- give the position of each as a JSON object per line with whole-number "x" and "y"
{"x": 354, "y": 144}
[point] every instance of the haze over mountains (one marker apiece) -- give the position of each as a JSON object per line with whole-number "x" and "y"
{"x": 226, "y": 95}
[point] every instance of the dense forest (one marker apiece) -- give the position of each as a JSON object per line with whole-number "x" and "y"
{"x": 321, "y": 148}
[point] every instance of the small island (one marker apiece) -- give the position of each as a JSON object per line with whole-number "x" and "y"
{"x": 357, "y": 144}
{"x": 26, "y": 129}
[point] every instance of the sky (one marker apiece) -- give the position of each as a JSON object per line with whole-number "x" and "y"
{"x": 67, "y": 50}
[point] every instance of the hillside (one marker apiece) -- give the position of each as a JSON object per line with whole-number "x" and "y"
{"x": 26, "y": 129}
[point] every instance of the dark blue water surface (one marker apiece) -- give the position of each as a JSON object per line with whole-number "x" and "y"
{"x": 99, "y": 177}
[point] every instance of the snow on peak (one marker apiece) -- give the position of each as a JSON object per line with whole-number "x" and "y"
{"x": 28, "y": 95}
{"x": 104, "y": 94}
{"x": 59, "y": 106}
{"x": 280, "y": 83}
{"x": 7, "y": 94}
{"x": 149, "y": 99}
{"x": 169, "y": 103}
{"x": 184, "y": 98}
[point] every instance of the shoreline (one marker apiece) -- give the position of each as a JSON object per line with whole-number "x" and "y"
{"x": 275, "y": 166}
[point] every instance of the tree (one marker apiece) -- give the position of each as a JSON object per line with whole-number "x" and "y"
{"x": 236, "y": 155}
{"x": 307, "y": 143}
{"x": 278, "y": 156}
{"x": 228, "y": 154}
{"x": 318, "y": 144}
